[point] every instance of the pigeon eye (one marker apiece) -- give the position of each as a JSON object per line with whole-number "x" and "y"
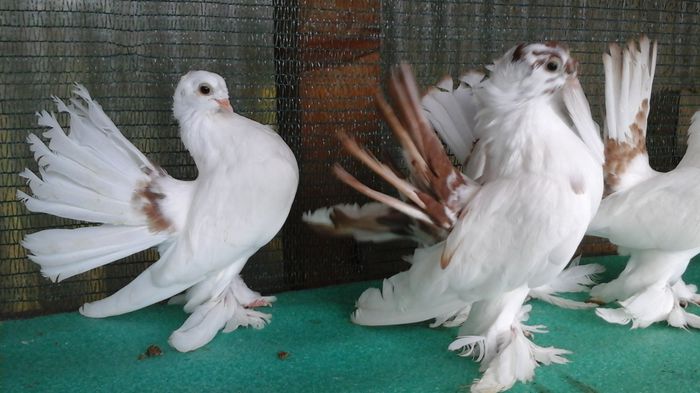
{"x": 205, "y": 89}
{"x": 553, "y": 65}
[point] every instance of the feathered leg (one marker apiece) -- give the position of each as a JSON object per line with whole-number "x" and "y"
{"x": 220, "y": 302}
{"x": 575, "y": 278}
{"x": 649, "y": 290}
{"x": 411, "y": 296}
{"x": 495, "y": 335}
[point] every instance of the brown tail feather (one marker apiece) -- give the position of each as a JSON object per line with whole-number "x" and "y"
{"x": 390, "y": 201}
{"x": 438, "y": 190}
{"x": 379, "y": 168}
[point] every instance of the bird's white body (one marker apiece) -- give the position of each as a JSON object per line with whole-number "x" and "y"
{"x": 651, "y": 216}
{"x": 205, "y": 229}
{"x": 534, "y": 158}
{"x": 540, "y": 172}
{"x": 540, "y": 164}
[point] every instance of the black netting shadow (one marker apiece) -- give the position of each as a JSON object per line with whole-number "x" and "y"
{"x": 308, "y": 68}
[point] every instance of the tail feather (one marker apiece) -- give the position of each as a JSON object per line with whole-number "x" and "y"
{"x": 452, "y": 113}
{"x": 72, "y": 212}
{"x": 63, "y": 253}
{"x": 96, "y": 154}
{"x": 383, "y": 307}
{"x": 60, "y": 190}
{"x": 371, "y": 222}
{"x": 110, "y": 142}
{"x": 91, "y": 173}
{"x": 437, "y": 192}
{"x": 69, "y": 146}
{"x": 53, "y": 163}
{"x": 629, "y": 75}
{"x": 447, "y": 118}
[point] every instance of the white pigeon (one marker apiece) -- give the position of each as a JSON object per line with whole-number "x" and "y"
{"x": 512, "y": 227}
{"x": 205, "y": 229}
{"x": 653, "y": 217}
{"x": 452, "y": 113}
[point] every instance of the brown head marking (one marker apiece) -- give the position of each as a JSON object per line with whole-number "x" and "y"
{"x": 519, "y": 52}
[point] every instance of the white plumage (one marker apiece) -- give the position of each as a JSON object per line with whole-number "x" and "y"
{"x": 512, "y": 223}
{"x": 651, "y": 216}
{"x": 205, "y": 229}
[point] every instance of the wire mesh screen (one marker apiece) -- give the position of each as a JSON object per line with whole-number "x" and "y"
{"x": 308, "y": 68}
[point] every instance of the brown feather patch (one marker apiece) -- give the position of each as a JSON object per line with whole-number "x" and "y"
{"x": 519, "y": 52}
{"x": 157, "y": 222}
{"x": 618, "y": 155}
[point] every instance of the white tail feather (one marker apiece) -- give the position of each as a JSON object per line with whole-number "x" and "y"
{"x": 369, "y": 212}
{"x": 452, "y": 113}
{"x": 71, "y": 188}
{"x": 90, "y": 174}
{"x": 122, "y": 153}
{"x": 63, "y": 253}
{"x": 72, "y": 212}
{"x": 629, "y": 75}
{"x": 59, "y": 190}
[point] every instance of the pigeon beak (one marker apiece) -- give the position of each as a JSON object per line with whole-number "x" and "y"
{"x": 224, "y": 104}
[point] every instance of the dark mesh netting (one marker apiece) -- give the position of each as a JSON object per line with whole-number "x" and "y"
{"x": 308, "y": 68}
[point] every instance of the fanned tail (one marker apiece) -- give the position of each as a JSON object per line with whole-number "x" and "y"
{"x": 91, "y": 174}
{"x": 629, "y": 74}
{"x": 435, "y": 190}
{"x": 452, "y": 112}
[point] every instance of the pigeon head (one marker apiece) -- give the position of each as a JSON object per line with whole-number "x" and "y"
{"x": 200, "y": 92}
{"x": 535, "y": 69}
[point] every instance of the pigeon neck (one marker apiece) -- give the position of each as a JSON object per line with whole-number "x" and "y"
{"x": 197, "y": 131}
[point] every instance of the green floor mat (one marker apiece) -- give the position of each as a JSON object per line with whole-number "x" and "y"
{"x": 311, "y": 346}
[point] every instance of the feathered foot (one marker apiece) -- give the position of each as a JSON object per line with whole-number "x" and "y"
{"x": 495, "y": 335}
{"x": 650, "y": 290}
{"x": 509, "y": 356}
{"x": 452, "y": 319}
{"x": 231, "y": 309}
{"x": 655, "y": 304}
{"x": 575, "y": 278}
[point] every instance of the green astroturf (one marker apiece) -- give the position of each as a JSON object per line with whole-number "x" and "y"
{"x": 327, "y": 353}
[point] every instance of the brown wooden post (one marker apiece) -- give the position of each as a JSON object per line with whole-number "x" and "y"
{"x": 329, "y": 67}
